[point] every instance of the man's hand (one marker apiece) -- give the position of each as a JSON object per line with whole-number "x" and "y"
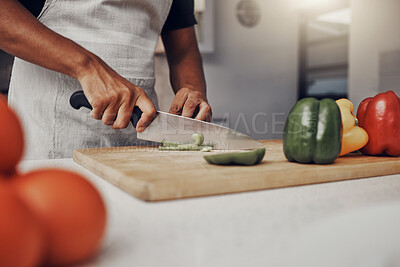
{"x": 113, "y": 97}
{"x": 186, "y": 74}
{"x": 192, "y": 104}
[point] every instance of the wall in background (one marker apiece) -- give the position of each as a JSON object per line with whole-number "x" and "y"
{"x": 374, "y": 48}
{"x": 252, "y": 75}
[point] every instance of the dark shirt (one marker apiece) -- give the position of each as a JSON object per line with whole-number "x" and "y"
{"x": 180, "y": 16}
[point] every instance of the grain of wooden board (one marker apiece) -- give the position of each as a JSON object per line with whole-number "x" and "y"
{"x": 153, "y": 175}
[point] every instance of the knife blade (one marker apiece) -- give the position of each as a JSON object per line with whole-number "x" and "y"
{"x": 166, "y": 126}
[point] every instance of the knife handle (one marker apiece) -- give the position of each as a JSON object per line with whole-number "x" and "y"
{"x": 78, "y": 100}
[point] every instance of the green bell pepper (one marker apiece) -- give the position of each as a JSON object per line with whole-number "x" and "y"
{"x": 313, "y": 132}
{"x": 247, "y": 158}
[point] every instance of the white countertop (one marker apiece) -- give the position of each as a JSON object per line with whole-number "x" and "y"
{"x": 356, "y": 223}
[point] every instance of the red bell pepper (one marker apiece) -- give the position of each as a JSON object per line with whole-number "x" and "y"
{"x": 380, "y": 117}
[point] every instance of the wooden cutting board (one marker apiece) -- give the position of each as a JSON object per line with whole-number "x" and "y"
{"x": 152, "y": 175}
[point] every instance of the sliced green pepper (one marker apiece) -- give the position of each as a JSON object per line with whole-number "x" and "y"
{"x": 247, "y": 158}
{"x": 198, "y": 140}
{"x": 185, "y": 147}
{"x": 166, "y": 143}
{"x": 206, "y": 149}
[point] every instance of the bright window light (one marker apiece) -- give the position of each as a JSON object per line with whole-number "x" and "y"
{"x": 310, "y": 4}
{"x": 342, "y": 16}
{"x": 200, "y": 5}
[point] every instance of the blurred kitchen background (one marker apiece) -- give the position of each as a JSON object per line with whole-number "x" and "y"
{"x": 261, "y": 56}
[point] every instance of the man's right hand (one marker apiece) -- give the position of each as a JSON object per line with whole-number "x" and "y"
{"x": 113, "y": 97}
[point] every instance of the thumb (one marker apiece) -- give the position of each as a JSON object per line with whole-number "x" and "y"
{"x": 148, "y": 109}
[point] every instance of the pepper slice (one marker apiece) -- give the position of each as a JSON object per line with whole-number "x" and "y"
{"x": 354, "y": 137}
{"x": 198, "y": 140}
{"x": 313, "y": 132}
{"x": 246, "y": 158}
{"x": 186, "y": 147}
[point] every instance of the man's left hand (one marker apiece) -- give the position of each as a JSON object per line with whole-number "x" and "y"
{"x": 192, "y": 104}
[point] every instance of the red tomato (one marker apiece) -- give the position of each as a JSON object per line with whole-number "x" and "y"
{"x": 22, "y": 239}
{"x": 11, "y": 138}
{"x": 70, "y": 209}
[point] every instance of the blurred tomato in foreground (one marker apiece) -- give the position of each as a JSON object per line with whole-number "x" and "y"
{"x": 22, "y": 239}
{"x": 70, "y": 209}
{"x": 11, "y": 138}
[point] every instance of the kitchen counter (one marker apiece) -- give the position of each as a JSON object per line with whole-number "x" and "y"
{"x": 278, "y": 227}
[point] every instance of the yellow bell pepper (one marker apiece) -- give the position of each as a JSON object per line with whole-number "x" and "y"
{"x": 354, "y": 137}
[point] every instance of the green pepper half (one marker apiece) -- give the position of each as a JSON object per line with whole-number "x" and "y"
{"x": 247, "y": 158}
{"x": 313, "y": 132}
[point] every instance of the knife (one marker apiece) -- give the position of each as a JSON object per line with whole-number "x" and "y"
{"x": 166, "y": 126}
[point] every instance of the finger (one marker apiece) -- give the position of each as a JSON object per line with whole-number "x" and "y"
{"x": 149, "y": 112}
{"x": 123, "y": 116}
{"x": 95, "y": 99}
{"x": 177, "y": 103}
{"x": 110, "y": 114}
{"x": 97, "y": 110}
{"x": 189, "y": 107}
{"x": 205, "y": 113}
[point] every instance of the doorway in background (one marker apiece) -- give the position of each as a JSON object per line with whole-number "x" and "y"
{"x": 323, "y": 52}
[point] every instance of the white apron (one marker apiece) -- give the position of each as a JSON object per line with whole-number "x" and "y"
{"x": 124, "y": 34}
